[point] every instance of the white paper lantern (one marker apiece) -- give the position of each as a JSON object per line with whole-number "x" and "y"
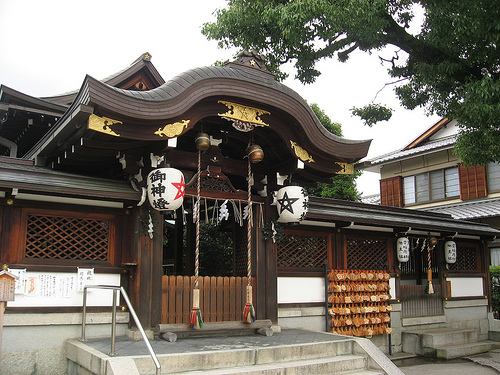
{"x": 403, "y": 248}
{"x": 293, "y": 204}
{"x": 166, "y": 189}
{"x": 450, "y": 252}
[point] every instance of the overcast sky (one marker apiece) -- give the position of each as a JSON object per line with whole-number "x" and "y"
{"x": 48, "y": 46}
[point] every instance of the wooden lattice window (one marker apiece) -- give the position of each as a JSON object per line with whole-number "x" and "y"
{"x": 302, "y": 251}
{"x": 367, "y": 253}
{"x": 69, "y": 238}
{"x": 467, "y": 258}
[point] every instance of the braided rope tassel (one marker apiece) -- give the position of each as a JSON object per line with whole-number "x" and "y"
{"x": 196, "y": 319}
{"x": 429, "y": 289}
{"x": 249, "y": 311}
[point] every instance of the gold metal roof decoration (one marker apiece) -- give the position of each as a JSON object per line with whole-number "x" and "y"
{"x": 103, "y": 124}
{"x": 301, "y": 153}
{"x": 346, "y": 168}
{"x": 173, "y": 130}
{"x": 244, "y": 118}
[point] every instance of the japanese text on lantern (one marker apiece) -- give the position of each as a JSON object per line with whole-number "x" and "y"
{"x": 166, "y": 188}
{"x": 158, "y": 190}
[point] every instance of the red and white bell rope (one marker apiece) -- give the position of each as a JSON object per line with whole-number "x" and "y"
{"x": 249, "y": 311}
{"x": 196, "y": 319}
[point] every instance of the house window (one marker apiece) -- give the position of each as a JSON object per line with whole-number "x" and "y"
{"x": 493, "y": 176}
{"x": 431, "y": 186}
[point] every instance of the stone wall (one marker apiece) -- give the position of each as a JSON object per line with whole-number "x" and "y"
{"x": 34, "y": 344}
{"x": 463, "y": 314}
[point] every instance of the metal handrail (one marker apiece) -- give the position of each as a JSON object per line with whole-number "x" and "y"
{"x": 113, "y": 320}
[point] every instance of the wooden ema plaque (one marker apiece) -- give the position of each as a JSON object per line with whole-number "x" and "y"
{"x": 359, "y": 302}
{"x": 7, "y": 286}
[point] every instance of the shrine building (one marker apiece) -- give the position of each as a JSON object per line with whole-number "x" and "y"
{"x": 191, "y": 194}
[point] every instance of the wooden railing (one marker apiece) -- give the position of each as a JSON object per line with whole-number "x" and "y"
{"x": 221, "y": 298}
{"x": 414, "y": 301}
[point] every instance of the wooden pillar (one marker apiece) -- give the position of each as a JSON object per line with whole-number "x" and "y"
{"x": 146, "y": 281}
{"x": 265, "y": 272}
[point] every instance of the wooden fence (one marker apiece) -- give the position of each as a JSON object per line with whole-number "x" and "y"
{"x": 221, "y": 298}
{"x": 414, "y": 301}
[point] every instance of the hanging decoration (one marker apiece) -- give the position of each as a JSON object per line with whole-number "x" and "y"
{"x": 166, "y": 189}
{"x": 292, "y": 202}
{"x": 244, "y": 118}
{"x": 202, "y": 141}
{"x": 403, "y": 249}
{"x": 431, "y": 244}
{"x": 223, "y": 211}
{"x": 255, "y": 155}
{"x": 450, "y": 252}
{"x": 196, "y": 320}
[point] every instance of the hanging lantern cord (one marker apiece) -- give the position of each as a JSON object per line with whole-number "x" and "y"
{"x": 196, "y": 319}
{"x": 249, "y": 311}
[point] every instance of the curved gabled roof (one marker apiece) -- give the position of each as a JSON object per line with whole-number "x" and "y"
{"x": 140, "y": 75}
{"x": 198, "y": 96}
{"x": 177, "y": 95}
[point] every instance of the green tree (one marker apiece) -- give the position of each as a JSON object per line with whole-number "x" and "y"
{"x": 450, "y": 66}
{"x": 495, "y": 290}
{"x": 216, "y": 251}
{"x": 342, "y": 186}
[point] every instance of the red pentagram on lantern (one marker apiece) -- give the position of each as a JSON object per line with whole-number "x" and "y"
{"x": 181, "y": 188}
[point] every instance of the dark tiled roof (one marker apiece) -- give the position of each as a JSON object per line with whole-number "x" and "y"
{"x": 468, "y": 210}
{"x": 372, "y": 199}
{"x": 333, "y": 210}
{"x": 446, "y": 142}
{"x": 23, "y": 175}
{"x": 179, "y": 95}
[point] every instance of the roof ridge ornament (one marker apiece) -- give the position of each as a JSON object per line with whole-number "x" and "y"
{"x": 301, "y": 153}
{"x": 173, "y": 130}
{"x": 244, "y": 118}
{"x": 251, "y": 59}
{"x": 102, "y": 124}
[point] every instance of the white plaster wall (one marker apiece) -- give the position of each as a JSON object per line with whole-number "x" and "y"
{"x": 466, "y": 286}
{"x": 95, "y": 297}
{"x": 301, "y": 289}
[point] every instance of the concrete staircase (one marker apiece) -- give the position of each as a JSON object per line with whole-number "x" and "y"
{"x": 445, "y": 343}
{"x": 346, "y": 356}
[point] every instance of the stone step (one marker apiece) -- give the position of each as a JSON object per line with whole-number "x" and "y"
{"x": 246, "y": 357}
{"x": 462, "y": 350}
{"x": 494, "y": 335}
{"x": 344, "y": 364}
{"x": 328, "y": 355}
{"x": 423, "y": 342}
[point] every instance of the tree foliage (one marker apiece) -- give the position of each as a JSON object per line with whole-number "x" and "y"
{"x": 450, "y": 66}
{"x": 216, "y": 251}
{"x": 342, "y": 186}
{"x": 495, "y": 290}
{"x": 326, "y": 121}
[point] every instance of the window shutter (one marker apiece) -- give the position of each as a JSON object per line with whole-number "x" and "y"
{"x": 472, "y": 182}
{"x": 391, "y": 192}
